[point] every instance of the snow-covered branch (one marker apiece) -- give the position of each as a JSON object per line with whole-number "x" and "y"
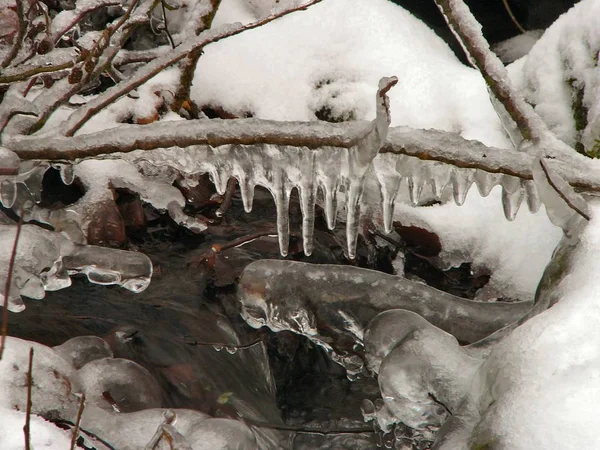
{"x": 82, "y": 115}
{"x": 468, "y": 32}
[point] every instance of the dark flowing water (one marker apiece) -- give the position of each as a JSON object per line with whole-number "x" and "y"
{"x": 180, "y": 328}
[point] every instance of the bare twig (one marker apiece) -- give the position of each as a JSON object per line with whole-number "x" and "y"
{"x": 166, "y": 24}
{"x": 308, "y": 430}
{"x": 11, "y": 266}
{"x": 75, "y": 434}
{"x": 231, "y": 185}
{"x": 27, "y": 427}
{"x": 81, "y": 11}
{"x": 512, "y": 17}
{"x": 29, "y": 71}
{"x": 77, "y": 119}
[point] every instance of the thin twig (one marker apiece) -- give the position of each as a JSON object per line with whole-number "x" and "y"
{"x": 11, "y": 266}
{"x": 222, "y": 344}
{"x": 27, "y": 427}
{"x": 227, "y": 198}
{"x": 308, "y": 430}
{"x": 88, "y": 433}
{"x": 75, "y": 434}
{"x": 166, "y": 24}
{"x": 512, "y": 17}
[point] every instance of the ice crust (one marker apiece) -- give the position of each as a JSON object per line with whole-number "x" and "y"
{"x": 45, "y": 259}
{"x": 56, "y": 394}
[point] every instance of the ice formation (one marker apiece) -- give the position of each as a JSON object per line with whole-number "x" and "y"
{"x": 45, "y": 259}
{"x": 286, "y": 295}
{"x": 519, "y": 392}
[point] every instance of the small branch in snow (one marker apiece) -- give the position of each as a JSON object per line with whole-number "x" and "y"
{"x": 187, "y": 67}
{"x": 80, "y": 13}
{"x": 27, "y": 427}
{"x": 77, "y": 423}
{"x": 143, "y": 74}
{"x": 166, "y": 24}
{"x": 231, "y": 185}
{"x": 11, "y": 266}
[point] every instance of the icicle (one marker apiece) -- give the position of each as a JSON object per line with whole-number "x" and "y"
{"x": 67, "y": 174}
{"x": 389, "y": 182}
{"x": 247, "y": 190}
{"x": 533, "y": 198}
{"x": 216, "y": 179}
{"x": 330, "y": 189}
{"x": 8, "y": 192}
{"x": 307, "y": 204}
{"x": 353, "y": 216}
{"x": 307, "y": 191}
{"x": 512, "y": 196}
{"x": 462, "y": 179}
{"x": 32, "y": 177}
{"x": 33, "y": 288}
{"x": 415, "y": 185}
{"x": 439, "y": 178}
{"x": 510, "y": 184}
{"x": 511, "y": 202}
{"x": 281, "y": 195}
{"x": 56, "y": 278}
{"x": 486, "y": 181}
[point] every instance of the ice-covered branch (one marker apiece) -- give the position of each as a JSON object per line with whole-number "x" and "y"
{"x": 82, "y": 115}
{"x": 427, "y": 145}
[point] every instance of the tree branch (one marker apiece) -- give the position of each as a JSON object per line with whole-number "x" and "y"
{"x": 468, "y": 32}
{"x": 19, "y": 38}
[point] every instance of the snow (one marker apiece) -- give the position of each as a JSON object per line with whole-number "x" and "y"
{"x": 44, "y": 435}
{"x": 516, "y": 47}
{"x": 333, "y": 55}
{"x": 515, "y": 253}
{"x": 563, "y": 61}
{"x": 551, "y": 365}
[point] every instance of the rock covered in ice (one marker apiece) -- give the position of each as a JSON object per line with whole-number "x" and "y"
{"x": 529, "y": 390}
{"x": 54, "y": 380}
{"x": 81, "y": 350}
{"x": 119, "y": 384}
{"x": 56, "y": 387}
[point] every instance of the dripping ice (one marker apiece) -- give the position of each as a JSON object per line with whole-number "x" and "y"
{"x": 336, "y": 173}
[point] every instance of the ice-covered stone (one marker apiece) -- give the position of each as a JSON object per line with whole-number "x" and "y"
{"x": 82, "y": 349}
{"x": 120, "y": 385}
